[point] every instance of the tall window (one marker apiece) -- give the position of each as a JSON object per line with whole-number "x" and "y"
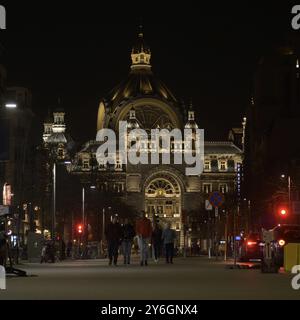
{"x": 207, "y": 188}
{"x": 207, "y": 166}
{"x": 102, "y": 165}
{"x": 118, "y": 165}
{"x": 223, "y": 188}
{"x": 60, "y": 153}
{"x": 86, "y": 164}
{"x": 223, "y": 165}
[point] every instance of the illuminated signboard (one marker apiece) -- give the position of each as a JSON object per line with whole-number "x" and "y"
{"x": 7, "y": 195}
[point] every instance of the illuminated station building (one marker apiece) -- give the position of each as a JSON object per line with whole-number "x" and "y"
{"x": 165, "y": 190}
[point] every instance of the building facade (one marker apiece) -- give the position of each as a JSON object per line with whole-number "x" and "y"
{"x": 18, "y": 137}
{"x": 143, "y": 101}
{"x": 272, "y": 154}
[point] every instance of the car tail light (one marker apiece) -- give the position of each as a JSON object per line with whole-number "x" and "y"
{"x": 251, "y": 243}
{"x": 281, "y": 242}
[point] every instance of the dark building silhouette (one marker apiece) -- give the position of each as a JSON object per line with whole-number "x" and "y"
{"x": 272, "y": 147}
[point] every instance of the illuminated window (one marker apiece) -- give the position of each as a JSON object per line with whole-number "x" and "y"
{"x": 223, "y": 165}
{"x": 60, "y": 152}
{"x": 207, "y": 166}
{"x": 86, "y": 164}
{"x": 207, "y": 188}
{"x": 223, "y": 188}
{"x": 102, "y": 165}
{"x": 118, "y": 165}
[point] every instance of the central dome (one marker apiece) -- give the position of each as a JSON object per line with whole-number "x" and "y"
{"x": 139, "y": 84}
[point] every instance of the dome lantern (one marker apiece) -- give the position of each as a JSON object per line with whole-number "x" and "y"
{"x": 191, "y": 123}
{"x": 132, "y": 122}
{"x": 141, "y": 54}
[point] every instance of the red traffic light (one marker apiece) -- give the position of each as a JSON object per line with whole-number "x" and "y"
{"x": 79, "y": 228}
{"x": 283, "y": 212}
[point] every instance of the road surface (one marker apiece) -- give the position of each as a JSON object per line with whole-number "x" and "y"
{"x": 190, "y": 278}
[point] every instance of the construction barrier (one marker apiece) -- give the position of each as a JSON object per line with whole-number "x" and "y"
{"x": 291, "y": 256}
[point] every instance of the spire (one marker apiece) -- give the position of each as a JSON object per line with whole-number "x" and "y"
{"x": 191, "y": 113}
{"x": 191, "y": 123}
{"x": 141, "y": 31}
{"x": 141, "y": 54}
{"x": 132, "y": 122}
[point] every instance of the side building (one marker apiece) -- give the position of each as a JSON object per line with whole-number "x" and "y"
{"x": 18, "y": 162}
{"x": 272, "y": 154}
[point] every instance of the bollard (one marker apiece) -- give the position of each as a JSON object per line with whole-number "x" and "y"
{"x": 2, "y": 278}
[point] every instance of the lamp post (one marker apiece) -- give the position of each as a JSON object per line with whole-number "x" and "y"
{"x": 83, "y": 209}
{"x": 103, "y": 231}
{"x": 289, "y": 191}
{"x": 54, "y": 202}
{"x": 103, "y": 224}
{"x": 84, "y": 220}
{"x": 54, "y": 172}
{"x": 103, "y": 228}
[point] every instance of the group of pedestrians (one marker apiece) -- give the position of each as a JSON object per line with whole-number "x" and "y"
{"x": 123, "y": 235}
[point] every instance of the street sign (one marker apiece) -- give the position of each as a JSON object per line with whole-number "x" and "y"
{"x": 208, "y": 206}
{"x": 216, "y": 199}
{"x": 4, "y": 210}
{"x": 216, "y": 212}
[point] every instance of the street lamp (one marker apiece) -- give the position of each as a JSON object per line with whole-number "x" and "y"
{"x": 11, "y": 105}
{"x": 283, "y": 176}
{"x": 83, "y": 207}
{"x": 103, "y": 228}
{"x": 92, "y": 187}
{"x": 54, "y": 202}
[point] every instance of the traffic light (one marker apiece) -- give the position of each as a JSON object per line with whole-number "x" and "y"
{"x": 79, "y": 229}
{"x": 283, "y": 212}
{"x": 156, "y": 218}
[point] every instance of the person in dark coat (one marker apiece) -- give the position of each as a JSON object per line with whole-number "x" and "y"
{"x": 156, "y": 241}
{"x": 69, "y": 249}
{"x": 169, "y": 237}
{"x": 128, "y": 234}
{"x": 113, "y": 234}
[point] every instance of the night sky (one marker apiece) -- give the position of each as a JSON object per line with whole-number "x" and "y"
{"x": 78, "y": 53}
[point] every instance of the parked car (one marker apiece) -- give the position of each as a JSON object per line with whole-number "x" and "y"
{"x": 251, "y": 247}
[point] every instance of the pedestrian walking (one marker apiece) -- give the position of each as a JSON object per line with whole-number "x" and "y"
{"x": 156, "y": 241}
{"x": 168, "y": 237}
{"x": 69, "y": 249}
{"x": 44, "y": 253}
{"x": 128, "y": 234}
{"x": 113, "y": 235}
{"x": 144, "y": 232}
